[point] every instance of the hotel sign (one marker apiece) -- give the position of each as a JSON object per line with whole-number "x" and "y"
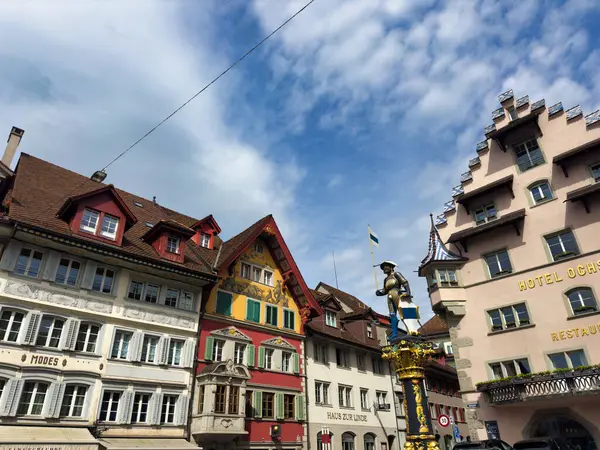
{"x": 347, "y": 417}
{"x": 580, "y": 270}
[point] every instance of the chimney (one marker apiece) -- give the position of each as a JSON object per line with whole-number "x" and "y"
{"x": 14, "y": 138}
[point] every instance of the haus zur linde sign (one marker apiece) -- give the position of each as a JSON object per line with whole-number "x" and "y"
{"x": 347, "y": 416}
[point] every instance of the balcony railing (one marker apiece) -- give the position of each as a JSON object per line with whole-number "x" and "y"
{"x": 538, "y": 386}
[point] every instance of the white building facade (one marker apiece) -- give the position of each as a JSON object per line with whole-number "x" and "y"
{"x": 97, "y": 344}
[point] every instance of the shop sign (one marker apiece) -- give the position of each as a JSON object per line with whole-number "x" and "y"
{"x": 349, "y": 417}
{"x": 44, "y": 360}
{"x": 580, "y": 270}
{"x": 491, "y": 427}
{"x": 575, "y": 332}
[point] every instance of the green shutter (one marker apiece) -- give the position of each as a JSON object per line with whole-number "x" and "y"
{"x": 279, "y": 406}
{"x": 296, "y": 357}
{"x": 224, "y": 301}
{"x": 257, "y": 404}
{"x": 250, "y": 355}
{"x": 252, "y": 310}
{"x": 300, "y": 409}
{"x": 208, "y": 349}
{"x": 261, "y": 357}
{"x": 256, "y": 312}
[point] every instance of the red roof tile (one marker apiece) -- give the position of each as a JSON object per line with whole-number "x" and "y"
{"x": 41, "y": 188}
{"x": 435, "y": 325}
{"x": 348, "y": 299}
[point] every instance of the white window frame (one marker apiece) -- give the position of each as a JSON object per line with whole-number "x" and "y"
{"x": 506, "y": 362}
{"x": 51, "y": 330}
{"x": 171, "y": 353}
{"x": 69, "y": 268}
{"x": 109, "y": 219}
{"x": 560, "y": 235}
{"x": 321, "y": 353}
{"x": 145, "y": 348}
{"x": 11, "y": 322}
{"x": 104, "y": 270}
{"x": 322, "y": 393}
{"x": 381, "y": 397}
{"x": 152, "y": 285}
{"x": 218, "y": 350}
{"x": 345, "y": 396}
{"x": 142, "y": 292}
{"x": 239, "y": 353}
{"x": 364, "y": 398}
{"x": 344, "y": 359}
{"x": 88, "y": 228}
{"x": 256, "y": 273}
{"x": 378, "y": 368}
{"x": 183, "y": 297}
{"x": 502, "y": 270}
{"x": 114, "y": 342}
{"x": 173, "y": 243}
{"x": 543, "y": 198}
{"x": 485, "y": 210}
{"x": 286, "y": 361}
{"x": 31, "y": 402}
{"x": 507, "y": 325}
{"x": 176, "y": 297}
{"x": 330, "y": 318}
{"x": 204, "y": 240}
{"x": 446, "y": 277}
{"x": 269, "y": 357}
{"x": 111, "y": 391}
{"x": 526, "y": 145}
{"x": 175, "y": 398}
{"x": 370, "y": 331}
{"x": 135, "y": 414}
{"x": 567, "y": 356}
{"x": 86, "y": 341}
{"x": 32, "y": 252}
{"x": 72, "y": 404}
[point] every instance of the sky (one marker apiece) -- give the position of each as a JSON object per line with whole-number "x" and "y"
{"x": 358, "y": 112}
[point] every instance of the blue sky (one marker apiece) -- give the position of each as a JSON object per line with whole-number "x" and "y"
{"x": 360, "y": 111}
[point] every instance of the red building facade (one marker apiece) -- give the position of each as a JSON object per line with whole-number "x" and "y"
{"x": 250, "y": 390}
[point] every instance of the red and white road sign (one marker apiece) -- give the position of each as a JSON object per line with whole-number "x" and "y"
{"x": 443, "y": 420}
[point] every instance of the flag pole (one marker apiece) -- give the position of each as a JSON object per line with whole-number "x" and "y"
{"x": 372, "y": 257}
{"x": 335, "y": 270}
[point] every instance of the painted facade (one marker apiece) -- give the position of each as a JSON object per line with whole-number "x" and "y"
{"x": 93, "y": 335}
{"x": 250, "y": 389}
{"x": 514, "y": 270}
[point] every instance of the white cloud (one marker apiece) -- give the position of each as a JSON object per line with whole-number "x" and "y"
{"x": 99, "y": 75}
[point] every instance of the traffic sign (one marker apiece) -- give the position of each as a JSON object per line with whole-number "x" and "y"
{"x": 443, "y": 420}
{"x": 456, "y": 433}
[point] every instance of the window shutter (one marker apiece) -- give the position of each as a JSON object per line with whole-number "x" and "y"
{"x": 261, "y": 357}
{"x": 257, "y": 404}
{"x": 181, "y": 412}
{"x": 89, "y": 274}
{"x": 300, "y": 408}
{"x": 10, "y": 397}
{"x": 51, "y": 265}
{"x": 296, "y": 362}
{"x": 189, "y": 353}
{"x": 10, "y": 256}
{"x": 100, "y": 340}
{"x": 54, "y": 398}
{"x": 250, "y": 355}
{"x": 125, "y": 407}
{"x": 164, "y": 351}
{"x": 135, "y": 347}
{"x": 208, "y": 349}
{"x": 155, "y": 408}
{"x": 68, "y": 337}
{"x": 279, "y": 406}
{"x": 33, "y": 324}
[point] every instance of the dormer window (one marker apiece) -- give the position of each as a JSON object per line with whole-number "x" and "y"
{"x": 485, "y": 214}
{"x": 330, "y": 319}
{"x": 370, "y": 331}
{"x": 173, "y": 244}
{"x": 109, "y": 227}
{"x": 204, "y": 240}
{"x": 89, "y": 221}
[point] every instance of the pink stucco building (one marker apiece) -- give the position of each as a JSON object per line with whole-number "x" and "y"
{"x": 514, "y": 269}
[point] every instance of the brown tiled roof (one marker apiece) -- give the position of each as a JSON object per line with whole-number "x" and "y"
{"x": 319, "y": 296}
{"x": 41, "y": 188}
{"x": 434, "y": 326}
{"x": 317, "y": 325}
{"x": 235, "y": 245}
{"x": 348, "y": 299}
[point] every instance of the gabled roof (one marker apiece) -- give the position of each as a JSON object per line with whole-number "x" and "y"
{"x": 40, "y": 189}
{"x": 325, "y": 299}
{"x": 209, "y": 219}
{"x": 70, "y": 202}
{"x": 438, "y": 252}
{"x": 168, "y": 225}
{"x": 434, "y": 326}
{"x": 348, "y": 299}
{"x": 268, "y": 230}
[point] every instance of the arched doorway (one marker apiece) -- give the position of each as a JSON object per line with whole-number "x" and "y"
{"x": 348, "y": 441}
{"x": 563, "y": 427}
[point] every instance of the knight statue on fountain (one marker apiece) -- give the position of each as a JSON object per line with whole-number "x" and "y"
{"x": 399, "y": 298}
